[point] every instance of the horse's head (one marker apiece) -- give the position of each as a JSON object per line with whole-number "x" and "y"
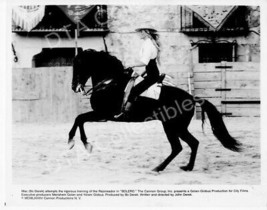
{"x": 98, "y": 65}
{"x": 81, "y": 71}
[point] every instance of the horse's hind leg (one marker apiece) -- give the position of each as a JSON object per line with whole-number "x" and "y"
{"x": 193, "y": 144}
{"x": 79, "y": 122}
{"x": 72, "y": 134}
{"x": 172, "y": 135}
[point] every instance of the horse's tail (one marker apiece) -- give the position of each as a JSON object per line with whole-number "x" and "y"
{"x": 218, "y": 127}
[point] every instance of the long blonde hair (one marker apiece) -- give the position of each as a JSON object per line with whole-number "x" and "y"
{"x": 154, "y": 37}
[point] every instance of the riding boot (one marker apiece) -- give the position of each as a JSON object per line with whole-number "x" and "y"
{"x": 128, "y": 106}
{"x": 124, "y": 115}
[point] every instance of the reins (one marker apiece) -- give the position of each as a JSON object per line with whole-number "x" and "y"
{"x": 98, "y": 86}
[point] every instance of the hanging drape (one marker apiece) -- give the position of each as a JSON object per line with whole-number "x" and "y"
{"x": 214, "y": 16}
{"x": 76, "y": 12}
{"x": 27, "y": 17}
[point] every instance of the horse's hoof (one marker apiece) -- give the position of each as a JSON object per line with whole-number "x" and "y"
{"x": 71, "y": 143}
{"x": 186, "y": 168}
{"x": 88, "y": 147}
{"x": 157, "y": 169}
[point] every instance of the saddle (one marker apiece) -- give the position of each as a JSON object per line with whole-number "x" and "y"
{"x": 152, "y": 92}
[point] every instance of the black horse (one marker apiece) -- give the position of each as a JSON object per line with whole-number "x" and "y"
{"x": 174, "y": 108}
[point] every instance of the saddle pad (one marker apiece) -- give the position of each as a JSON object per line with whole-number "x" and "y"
{"x": 152, "y": 92}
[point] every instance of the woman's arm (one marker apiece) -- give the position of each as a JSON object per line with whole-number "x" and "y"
{"x": 145, "y": 57}
{"x": 137, "y": 67}
{"x": 137, "y": 64}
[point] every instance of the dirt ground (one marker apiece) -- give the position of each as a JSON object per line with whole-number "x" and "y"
{"x": 125, "y": 153}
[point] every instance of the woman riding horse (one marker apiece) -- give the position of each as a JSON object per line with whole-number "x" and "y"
{"x": 174, "y": 108}
{"x": 149, "y": 55}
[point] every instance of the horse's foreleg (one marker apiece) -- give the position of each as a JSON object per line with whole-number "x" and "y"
{"x": 79, "y": 122}
{"x": 176, "y": 146}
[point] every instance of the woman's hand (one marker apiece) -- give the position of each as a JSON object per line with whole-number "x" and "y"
{"x": 136, "y": 64}
{"x": 130, "y": 67}
{"x": 135, "y": 74}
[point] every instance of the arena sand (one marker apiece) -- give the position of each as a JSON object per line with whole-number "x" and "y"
{"x": 125, "y": 153}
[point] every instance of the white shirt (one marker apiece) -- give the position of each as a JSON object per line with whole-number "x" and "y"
{"x": 148, "y": 51}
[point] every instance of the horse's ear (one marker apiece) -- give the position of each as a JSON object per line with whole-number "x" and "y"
{"x": 89, "y": 50}
{"x": 80, "y": 50}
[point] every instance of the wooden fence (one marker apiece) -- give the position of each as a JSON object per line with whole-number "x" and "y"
{"x": 45, "y": 94}
{"x": 234, "y": 87}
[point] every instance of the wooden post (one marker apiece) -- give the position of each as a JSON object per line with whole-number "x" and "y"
{"x": 189, "y": 83}
{"x": 76, "y": 39}
{"x": 193, "y": 60}
{"x": 181, "y": 16}
{"x": 248, "y": 53}
{"x": 223, "y": 86}
{"x": 233, "y": 53}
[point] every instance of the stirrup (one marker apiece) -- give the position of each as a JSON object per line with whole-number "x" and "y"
{"x": 118, "y": 115}
{"x": 123, "y": 116}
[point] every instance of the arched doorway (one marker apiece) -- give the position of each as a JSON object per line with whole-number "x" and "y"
{"x": 54, "y": 57}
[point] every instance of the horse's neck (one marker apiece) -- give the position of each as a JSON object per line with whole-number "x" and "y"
{"x": 97, "y": 79}
{"x": 120, "y": 81}
{"x": 102, "y": 75}
{"x": 104, "y": 67}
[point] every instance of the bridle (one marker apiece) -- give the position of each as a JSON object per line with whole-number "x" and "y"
{"x": 100, "y": 86}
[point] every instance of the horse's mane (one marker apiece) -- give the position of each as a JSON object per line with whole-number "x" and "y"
{"x": 104, "y": 62}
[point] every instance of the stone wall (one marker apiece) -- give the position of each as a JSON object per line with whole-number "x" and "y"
{"x": 124, "y": 43}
